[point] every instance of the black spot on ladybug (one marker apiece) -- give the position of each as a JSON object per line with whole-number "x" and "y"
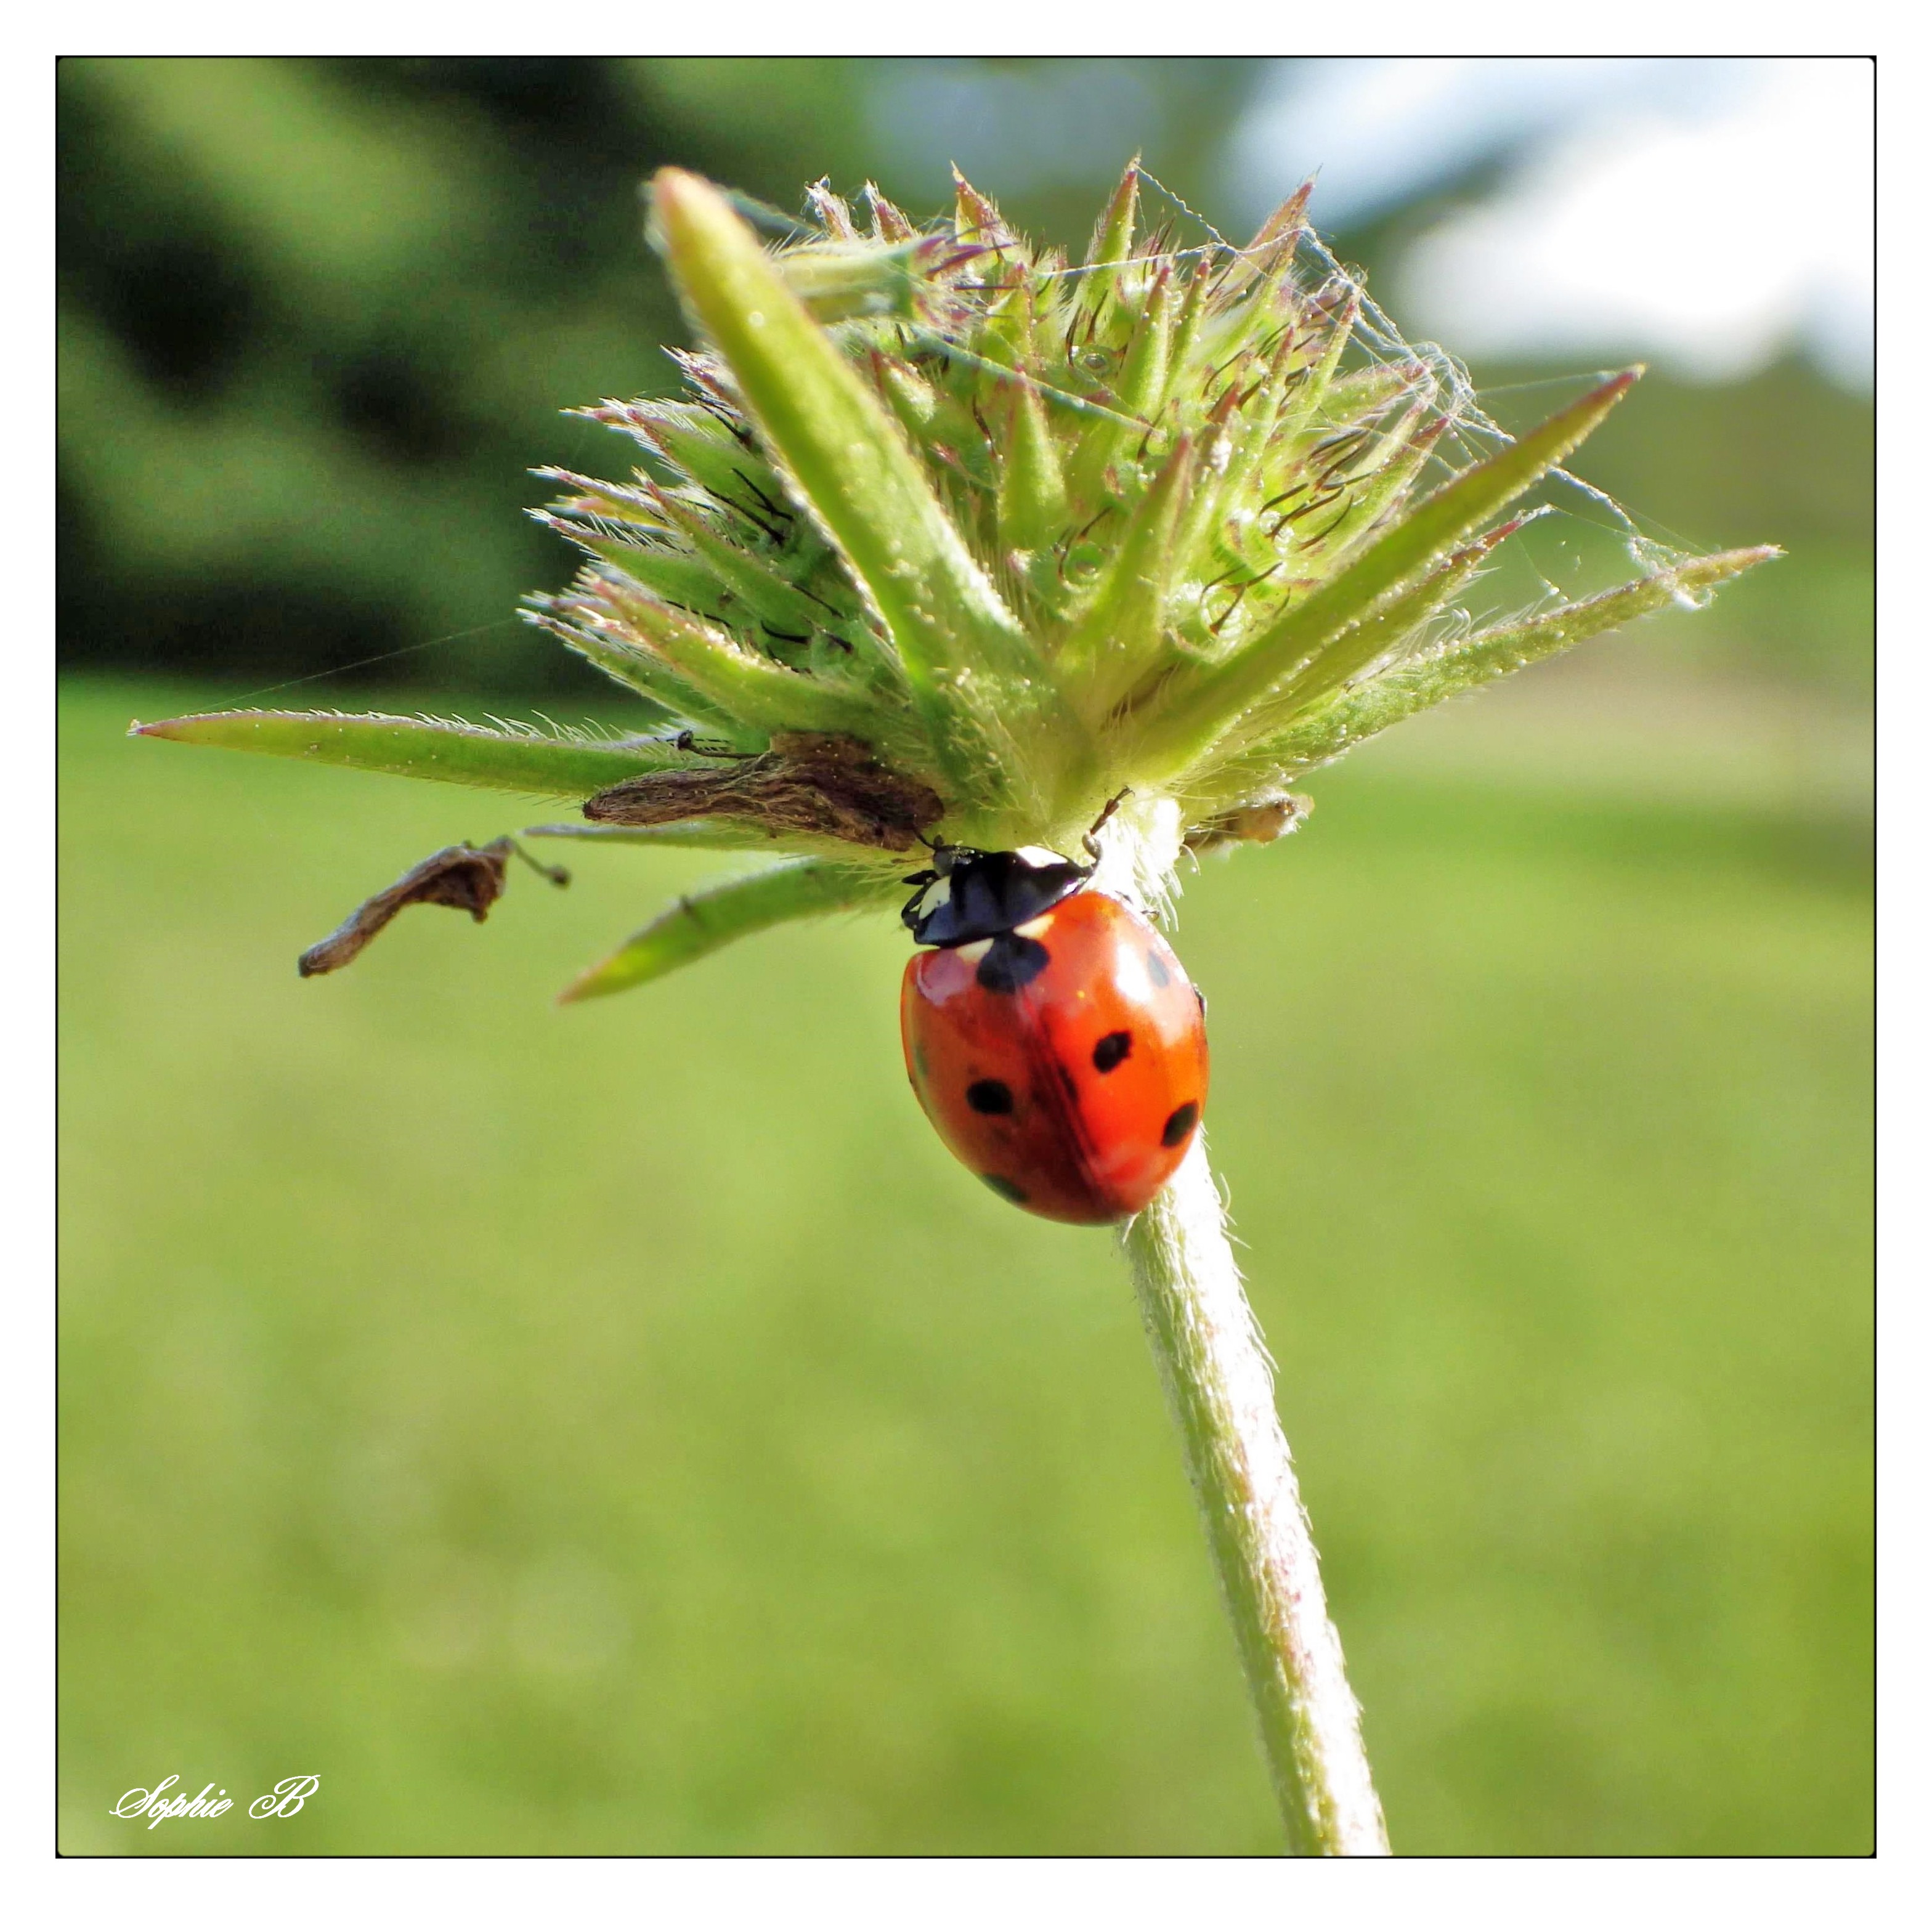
{"x": 1012, "y": 962}
{"x": 1111, "y": 1051}
{"x": 1180, "y": 1125}
{"x": 990, "y": 1097}
{"x": 1157, "y": 971}
{"x": 999, "y": 1186}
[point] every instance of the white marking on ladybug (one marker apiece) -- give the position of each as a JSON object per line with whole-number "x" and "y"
{"x": 939, "y": 893}
{"x": 1037, "y": 857}
{"x": 972, "y": 952}
{"x": 1035, "y": 927}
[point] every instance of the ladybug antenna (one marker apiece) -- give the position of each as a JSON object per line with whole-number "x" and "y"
{"x": 1092, "y": 838}
{"x": 936, "y": 845}
{"x": 706, "y": 747}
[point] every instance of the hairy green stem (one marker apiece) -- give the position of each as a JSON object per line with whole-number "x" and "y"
{"x": 1220, "y": 1387}
{"x": 1220, "y": 1384}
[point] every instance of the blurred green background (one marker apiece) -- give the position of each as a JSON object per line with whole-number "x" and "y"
{"x": 625, "y": 1429}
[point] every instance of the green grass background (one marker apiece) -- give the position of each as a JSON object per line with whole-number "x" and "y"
{"x": 625, "y": 1429}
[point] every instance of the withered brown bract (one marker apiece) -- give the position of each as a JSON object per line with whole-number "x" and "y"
{"x": 1251, "y": 823}
{"x": 463, "y": 876}
{"x": 808, "y": 783}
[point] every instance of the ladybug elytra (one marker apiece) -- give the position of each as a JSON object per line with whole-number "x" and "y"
{"x": 1051, "y": 1034}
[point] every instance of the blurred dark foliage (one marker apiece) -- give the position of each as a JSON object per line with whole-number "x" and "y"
{"x": 214, "y": 325}
{"x": 319, "y": 318}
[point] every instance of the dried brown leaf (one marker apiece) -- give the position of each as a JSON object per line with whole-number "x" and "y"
{"x": 1252, "y": 824}
{"x": 464, "y": 877}
{"x": 808, "y": 782}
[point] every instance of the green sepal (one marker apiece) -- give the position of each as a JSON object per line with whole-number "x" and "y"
{"x": 1114, "y": 641}
{"x": 1306, "y": 416}
{"x": 1196, "y": 706}
{"x": 765, "y": 696}
{"x": 1400, "y": 455}
{"x": 762, "y": 592}
{"x": 975, "y": 218}
{"x": 689, "y": 442}
{"x": 445, "y": 749}
{"x": 1143, "y": 379}
{"x": 1270, "y": 253}
{"x": 837, "y": 281}
{"x": 677, "y": 576}
{"x": 1033, "y": 490}
{"x": 1331, "y": 728}
{"x": 707, "y": 920}
{"x": 1251, "y": 446}
{"x": 1180, "y": 350}
{"x": 1113, "y": 241}
{"x": 1396, "y": 621}
{"x": 1311, "y": 398}
{"x": 845, "y": 454}
{"x": 1137, "y": 393}
{"x": 1463, "y": 665}
{"x": 1200, "y": 511}
{"x": 1112, "y": 244}
{"x": 649, "y": 678}
{"x": 591, "y": 501}
{"x": 1357, "y": 394}
{"x": 1252, "y": 306}
{"x": 623, "y": 665}
{"x": 914, "y": 403}
{"x": 1005, "y": 339}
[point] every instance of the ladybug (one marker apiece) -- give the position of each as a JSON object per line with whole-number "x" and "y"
{"x": 1050, "y": 1035}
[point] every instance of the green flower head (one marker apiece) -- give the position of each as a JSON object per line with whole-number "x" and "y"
{"x": 950, "y": 539}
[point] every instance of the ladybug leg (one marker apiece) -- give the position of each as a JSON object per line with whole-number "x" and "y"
{"x": 706, "y": 747}
{"x": 1092, "y": 838}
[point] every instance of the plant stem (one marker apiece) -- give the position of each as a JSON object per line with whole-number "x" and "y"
{"x": 1220, "y": 1386}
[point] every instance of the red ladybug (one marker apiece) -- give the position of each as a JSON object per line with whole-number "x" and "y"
{"x": 1051, "y": 1034}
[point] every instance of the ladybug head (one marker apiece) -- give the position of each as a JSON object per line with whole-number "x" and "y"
{"x": 968, "y": 895}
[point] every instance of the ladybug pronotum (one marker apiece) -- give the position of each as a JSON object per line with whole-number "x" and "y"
{"x": 1051, "y": 1034}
